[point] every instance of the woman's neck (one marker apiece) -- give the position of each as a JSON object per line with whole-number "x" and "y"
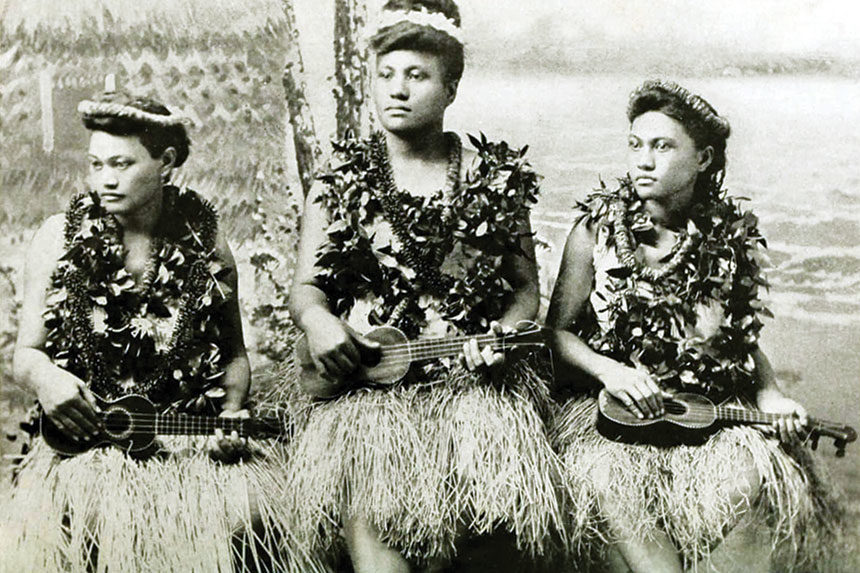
{"x": 143, "y": 220}
{"x": 427, "y": 144}
{"x": 671, "y": 213}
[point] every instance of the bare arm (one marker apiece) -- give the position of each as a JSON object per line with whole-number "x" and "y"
{"x": 770, "y": 398}
{"x": 237, "y": 372}
{"x": 63, "y": 396}
{"x": 332, "y": 347}
{"x": 307, "y": 301}
{"x": 521, "y": 272}
{"x": 570, "y": 295}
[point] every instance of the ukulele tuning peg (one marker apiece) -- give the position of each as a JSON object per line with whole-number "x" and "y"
{"x": 840, "y": 448}
{"x": 814, "y": 442}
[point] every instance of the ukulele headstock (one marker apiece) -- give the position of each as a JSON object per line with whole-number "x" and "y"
{"x": 529, "y": 333}
{"x": 842, "y": 435}
{"x": 266, "y": 427}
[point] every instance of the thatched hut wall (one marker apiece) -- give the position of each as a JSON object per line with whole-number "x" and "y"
{"x": 218, "y": 62}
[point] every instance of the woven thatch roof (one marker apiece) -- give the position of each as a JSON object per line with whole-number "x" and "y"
{"x": 187, "y": 17}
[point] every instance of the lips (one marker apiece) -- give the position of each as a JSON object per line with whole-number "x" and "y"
{"x": 112, "y": 196}
{"x": 645, "y": 180}
{"x": 397, "y": 109}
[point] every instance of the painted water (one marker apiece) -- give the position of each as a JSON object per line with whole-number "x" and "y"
{"x": 793, "y": 152}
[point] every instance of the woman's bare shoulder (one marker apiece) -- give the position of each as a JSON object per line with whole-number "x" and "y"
{"x": 47, "y": 247}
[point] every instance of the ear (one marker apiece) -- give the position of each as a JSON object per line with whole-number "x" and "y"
{"x": 451, "y": 90}
{"x": 168, "y": 162}
{"x": 705, "y": 158}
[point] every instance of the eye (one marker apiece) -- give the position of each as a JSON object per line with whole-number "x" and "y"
{"x": 95, "y": 165}
{"x": 634, "y": 144}
{"x": 122, "y": 164}
{"x": 417, "y": 75}
{"x": 385, "y": 74}
{"x": 663, "y": 146}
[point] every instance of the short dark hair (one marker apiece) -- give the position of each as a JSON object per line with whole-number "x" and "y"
{"x": 700, "y": 120}
{"x": 410, "y": 36}
{"x": 156, "y": 138}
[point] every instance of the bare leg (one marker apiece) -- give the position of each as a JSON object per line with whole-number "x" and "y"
{"x": 655, "y": 554}
{"x": 367, "y": 551}
{"x": 254, "y": 549}
{"x": 747, "y": 549}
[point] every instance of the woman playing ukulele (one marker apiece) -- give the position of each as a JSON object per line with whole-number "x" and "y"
{"x": 409, "y": 229}
{"x": 658, "y": 291}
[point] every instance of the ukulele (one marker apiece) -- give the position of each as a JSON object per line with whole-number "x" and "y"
{"x": 396, "y": 353}
{"x": 695, "y": 414}
{"x": 131, "y": 423}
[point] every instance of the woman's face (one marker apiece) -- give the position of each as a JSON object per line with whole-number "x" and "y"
{"x": 123, "y": 173}
{"x": 410, "y": 91}
{"x": 662, "y": 159}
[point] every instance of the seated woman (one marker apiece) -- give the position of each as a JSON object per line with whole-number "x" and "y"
{"x": 658, "y": 293}
{"x": 133, "y": 291}
{"x": 409, "y": 229}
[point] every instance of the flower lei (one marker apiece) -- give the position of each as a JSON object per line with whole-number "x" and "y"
{"x": 469, "y": 230}
{"x": 652, "y": 312}
{"x": 159, "y": 338}
{"x": 425, "y": 264}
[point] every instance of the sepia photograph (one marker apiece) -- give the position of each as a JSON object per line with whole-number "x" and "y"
{"x": 373, "y": 286}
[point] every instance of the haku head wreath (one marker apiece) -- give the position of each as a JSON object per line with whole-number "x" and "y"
{"x": 700, "y": 108}
{"x": 123, "y": 106}
{"x": 422, "y": 17}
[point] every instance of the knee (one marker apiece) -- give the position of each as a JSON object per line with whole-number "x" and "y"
{"x": 368, "y": 552}
{"x": 746, "y": 481}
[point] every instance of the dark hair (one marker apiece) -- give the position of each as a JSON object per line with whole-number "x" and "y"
{"x": 155, "y": 137}
{"x": 410, "y": 36}
{"x": 700, "y": 120}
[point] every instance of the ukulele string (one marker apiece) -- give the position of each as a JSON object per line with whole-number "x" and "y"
{"x": 705, "y": 413}
{"x": 407, "y": 357}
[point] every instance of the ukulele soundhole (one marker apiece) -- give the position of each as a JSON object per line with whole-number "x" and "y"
{"x": 118, "y": 423}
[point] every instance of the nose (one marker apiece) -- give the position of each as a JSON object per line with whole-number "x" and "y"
{"x": 398, "y": 88}
{"x": 108, "y": 178}
{"x": 645, "y": 159}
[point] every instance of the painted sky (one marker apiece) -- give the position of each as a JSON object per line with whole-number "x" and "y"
{"x": 815, "y": 27}
{"x": 790, "y": 27}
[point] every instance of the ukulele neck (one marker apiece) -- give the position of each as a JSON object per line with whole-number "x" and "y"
{"x": 433, "y": 348}
{"x": 746, "y": 416}
{"x": 187, "y": 425}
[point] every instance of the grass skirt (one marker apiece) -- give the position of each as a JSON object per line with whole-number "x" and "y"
{"x": 426, "y": 463}
{"x": 172, "y": 512}
{"x": 686, "y": 491}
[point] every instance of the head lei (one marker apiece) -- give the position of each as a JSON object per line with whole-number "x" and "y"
{"x": 696, "y": 106}
{"x": 120, "y": 105}
{"x": 419, "y": 14}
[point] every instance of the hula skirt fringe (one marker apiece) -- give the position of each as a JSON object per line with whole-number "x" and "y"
{"x": 687, "y": 491}
{"x": 427, "y": 463}
{"x": 104, "y": 511}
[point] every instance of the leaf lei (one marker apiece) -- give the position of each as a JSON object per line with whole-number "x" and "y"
{"x": 160, "y": 338}
{"x": 652, "y": 313}
{"x": 471, "y": 229}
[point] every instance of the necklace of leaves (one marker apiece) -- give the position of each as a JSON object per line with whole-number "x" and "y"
{"x": 627, "y": 255}
{"x": 82, "y": 329}
{"x": 425, "y": 264}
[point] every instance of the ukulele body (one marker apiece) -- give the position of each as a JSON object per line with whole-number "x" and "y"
{"x": 119, "y": 428}
{"x": 385, "y": 372}
{"x": 675, "y": 427}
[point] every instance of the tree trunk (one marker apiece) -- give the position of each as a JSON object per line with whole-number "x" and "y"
{"x": 350, "y": 66}
{"x": 307, "y": 146}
